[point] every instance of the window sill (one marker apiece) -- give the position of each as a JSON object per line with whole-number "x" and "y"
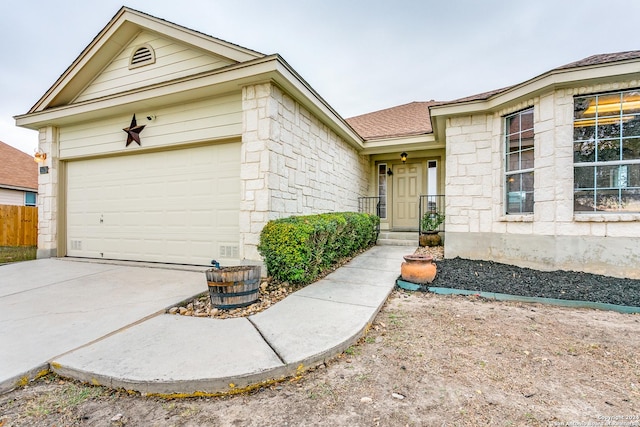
{"x": 517, "y": 218}
{"x": 625, "y": 217}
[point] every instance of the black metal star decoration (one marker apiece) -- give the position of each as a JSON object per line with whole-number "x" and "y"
{"x": 133, "y": 131}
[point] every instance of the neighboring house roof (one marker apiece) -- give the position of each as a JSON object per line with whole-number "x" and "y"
{"x": 402, "y": 120}
{"x": 18, "y": 171}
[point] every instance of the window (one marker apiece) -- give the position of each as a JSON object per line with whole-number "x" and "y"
{"x": 519, "y": 162}
{"x": 382, "y": 189}
{"x": 29, "y": 198}
{"x": 606, "y": 152}
{"x": 143, "y": 55}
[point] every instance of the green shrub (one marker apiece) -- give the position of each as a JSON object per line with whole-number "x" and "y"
{"x": 298, "y": 248}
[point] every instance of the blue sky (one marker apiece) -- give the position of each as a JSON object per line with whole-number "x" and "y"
{"x": 361, "y": 56}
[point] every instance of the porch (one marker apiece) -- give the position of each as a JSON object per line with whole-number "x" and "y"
{"x": 422, "y": 213}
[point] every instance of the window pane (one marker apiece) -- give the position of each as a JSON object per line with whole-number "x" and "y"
{"x": 520, "y": 193}
{"x": 526, "y": 160}
{"x": 633, "y": 175}
{"x": 608, "y": 200}
{"x": 607, "y": 176}
{"x": 609, "y": 105}
{"x": 584, "y": 151}
{"x": 581, "y": 105}
{"x": 583, "y": 201}
{"x": 631, "y": 149}
{"x": 584, "y": 130}
{"x": 584, "y": 177}
{"x": 631, "y": 125}
{"x": 519, "y": 155}
{"x": 631, "y": 102}
{"x": 29, "y": 199}
{"x": 609, "y": 128}
{"x": 513, "y": 160}
{"x": 631, "y": 200}
{"x": 513, "y": 125}
{"x": 382, "y": 169}
{"x": 609, "y": 150}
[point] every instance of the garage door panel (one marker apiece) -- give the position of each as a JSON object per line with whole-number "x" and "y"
{"x": 177, "y": 206}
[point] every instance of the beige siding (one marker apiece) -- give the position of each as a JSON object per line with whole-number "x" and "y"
{"x": 11, "y": 197}
{"x": 188, "y": 123}
{"x": 173, "y": 60}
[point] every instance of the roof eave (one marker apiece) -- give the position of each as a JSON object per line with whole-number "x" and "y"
{"x": 554, "y": 79}
{"x": 117, "y": 34}
{"x": 401, "y": 143}
{"x": 230, "y": 79}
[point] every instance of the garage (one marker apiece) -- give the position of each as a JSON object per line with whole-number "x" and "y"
{"x": 176, "y": 206}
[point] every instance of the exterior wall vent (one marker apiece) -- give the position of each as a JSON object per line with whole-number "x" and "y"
{"x": 142, "y": 55}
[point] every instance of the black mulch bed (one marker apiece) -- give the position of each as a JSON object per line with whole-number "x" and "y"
{"x": 488, "y": 276}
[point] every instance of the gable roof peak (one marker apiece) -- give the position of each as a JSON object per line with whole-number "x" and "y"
{"x": 118, "y": 32}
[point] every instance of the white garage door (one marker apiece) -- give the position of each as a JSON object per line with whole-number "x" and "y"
{"x": 177, "y": 206}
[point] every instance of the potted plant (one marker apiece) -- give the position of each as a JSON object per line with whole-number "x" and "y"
{"x": 430, "y": 227}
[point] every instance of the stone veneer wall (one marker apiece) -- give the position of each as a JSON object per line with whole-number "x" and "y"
{"x": 291, "y": 164}
{"x": 553, "y": 237}
{"x": 47, "y": 195}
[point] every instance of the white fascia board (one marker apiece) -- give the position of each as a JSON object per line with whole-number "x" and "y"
{"x": 121, "y": 30}
{"x": 17, "y": 188}
{"x": 296, "y": 86}
{"x": 552, "y": 80}
{"x": 225, "y": 80}
{"x": 197, "y": 39}
{"x": 399, "y": 144}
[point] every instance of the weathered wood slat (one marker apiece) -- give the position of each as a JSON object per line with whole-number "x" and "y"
{"x": 233, "y": 287}
{"x": 18, "y": 225}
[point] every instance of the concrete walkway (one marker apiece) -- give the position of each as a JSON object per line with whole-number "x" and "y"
{"x": 121, "y": 336}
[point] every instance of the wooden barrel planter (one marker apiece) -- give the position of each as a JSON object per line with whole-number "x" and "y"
{"x": 233, "y": 287}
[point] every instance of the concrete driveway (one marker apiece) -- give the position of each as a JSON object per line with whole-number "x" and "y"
{"x": 49, "y": 307}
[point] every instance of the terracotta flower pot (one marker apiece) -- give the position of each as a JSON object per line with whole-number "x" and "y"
{"x": 418, "y": 269}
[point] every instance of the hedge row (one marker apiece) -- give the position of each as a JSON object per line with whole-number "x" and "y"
{"x": 298, "y": 248}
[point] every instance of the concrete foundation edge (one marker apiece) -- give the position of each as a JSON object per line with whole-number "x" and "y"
{"x": 605, "y": 255}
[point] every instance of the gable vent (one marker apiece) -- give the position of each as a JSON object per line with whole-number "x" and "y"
{"x": 143, "y": 55}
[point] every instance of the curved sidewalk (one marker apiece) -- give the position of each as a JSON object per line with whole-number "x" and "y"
{"x": 180, "y": 355}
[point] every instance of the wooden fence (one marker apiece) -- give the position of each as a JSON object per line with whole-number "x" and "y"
{"x": 18, "y": 225}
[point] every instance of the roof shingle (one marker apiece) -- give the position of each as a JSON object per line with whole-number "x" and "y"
{"x": 17, "y": 169}
{"x": 402, "y": 120}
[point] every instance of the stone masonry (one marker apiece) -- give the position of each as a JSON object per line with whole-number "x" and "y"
{"x": 291, "y": 164}
{"x": 47, "y": 195}
{"x": 553, "y": 236}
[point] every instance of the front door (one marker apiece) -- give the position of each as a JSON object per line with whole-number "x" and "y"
{"x": 407, "y": 186}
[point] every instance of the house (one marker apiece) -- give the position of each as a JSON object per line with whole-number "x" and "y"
{"x": 546, "y": 173}
{"x": 18, "y": 177}
{"x": 168, "y": 145}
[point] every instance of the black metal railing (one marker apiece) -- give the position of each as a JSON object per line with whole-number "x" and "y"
{"x": 431, "y": 213}
{"x": 372, "y": 206}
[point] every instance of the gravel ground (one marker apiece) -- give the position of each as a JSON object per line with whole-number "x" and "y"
{"x": 491, "y": 276}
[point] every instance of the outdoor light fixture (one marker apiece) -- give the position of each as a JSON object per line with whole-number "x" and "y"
{"x": 40, "y": 156}
{"x": 403, "y": 157}
{"x": 389, "y": 172}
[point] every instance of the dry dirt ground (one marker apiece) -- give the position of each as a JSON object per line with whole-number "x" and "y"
{"x": 427, "y": 361}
